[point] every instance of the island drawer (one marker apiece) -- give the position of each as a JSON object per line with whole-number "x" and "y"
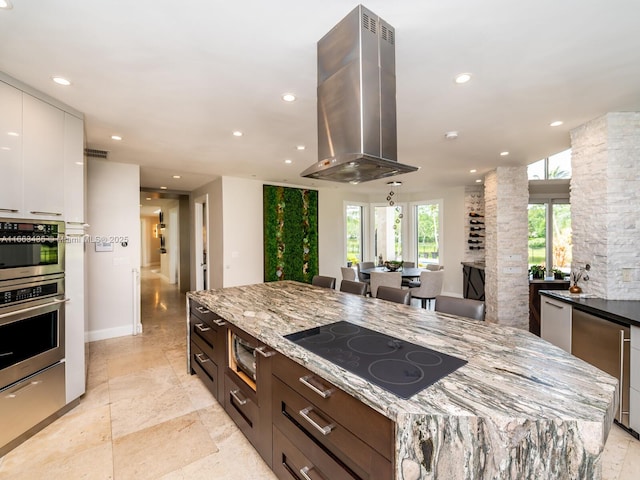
{"x": 201, "y": 311}
{"x": 243, "y": 410}
{"x": 205, "y": 369}
{"x": 355, "y": 416}
{"x": 294, "y": 415}
{"x": 290, "y": 463}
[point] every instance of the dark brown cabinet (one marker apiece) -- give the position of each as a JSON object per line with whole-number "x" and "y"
{"x": 328, "y": 431}
{"x": 207, "y": 347}
{"x": 247, "y": 389}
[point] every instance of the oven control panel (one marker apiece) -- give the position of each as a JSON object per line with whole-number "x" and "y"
{"x": 28, "y": 293}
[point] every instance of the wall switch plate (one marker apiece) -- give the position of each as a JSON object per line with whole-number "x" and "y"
{"x": 512, "y": 270}
{"x": 514, "y": 258}
{"x": 627, "y": 274}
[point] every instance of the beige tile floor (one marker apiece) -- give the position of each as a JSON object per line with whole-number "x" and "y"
{"x": 144, "y": 417}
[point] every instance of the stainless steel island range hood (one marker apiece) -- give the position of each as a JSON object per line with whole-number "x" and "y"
{"x": 357, "y": 101}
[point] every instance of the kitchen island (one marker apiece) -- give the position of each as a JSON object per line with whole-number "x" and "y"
{"x": 520, "y": 408}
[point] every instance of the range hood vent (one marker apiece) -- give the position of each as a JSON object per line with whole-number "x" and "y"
{"x": 357, "y": 102}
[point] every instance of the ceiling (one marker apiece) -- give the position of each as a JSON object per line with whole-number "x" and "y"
{"x": 174, "y": 79}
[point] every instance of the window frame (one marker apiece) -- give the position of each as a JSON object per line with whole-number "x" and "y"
{"x": 364, "y": 224}
{"x": 413, "y": 234}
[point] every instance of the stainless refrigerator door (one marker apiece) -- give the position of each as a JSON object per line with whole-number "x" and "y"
{"x": 605, "y": 345}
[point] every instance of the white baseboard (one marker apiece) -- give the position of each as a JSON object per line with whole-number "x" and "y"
{"x": 95, "y": 335}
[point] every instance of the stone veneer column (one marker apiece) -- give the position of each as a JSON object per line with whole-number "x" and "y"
{"x": 605, "y": 204}
{"x": 506, "y": 194}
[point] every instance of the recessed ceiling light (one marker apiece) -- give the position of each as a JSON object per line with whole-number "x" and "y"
{"x": 116, "y": 137}
{"x": 237, "y": 133}
{"x": 287, "y": 161}
{"x": 79, "y": 163}
{"x": 451, "y": 135}
{"x": 163, "y": 188}
{"x": 6, "y": 4}
{"x": 6, "y": 148}
{"x": 176, "y": 176}
{"x": 504, "y": 154}
{"x": 300, "y": 147}
{"x": 479, "y": 180}
{"x": 13, "y": 134}
{"x": 61, "y": 81}
{"x": 557, "y": 123}
{"x": 288, "y": 97}
{"x": 462, "y": 78}
{"x": 473, "y": 170}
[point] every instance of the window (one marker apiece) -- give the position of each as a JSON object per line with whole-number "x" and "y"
{"x": 427, "y": 228}
{"x": 550, "y": 212}
{"x": 354, "y": 215}
{"x": 387, "y": 232}
{"x": 553, "y": 167}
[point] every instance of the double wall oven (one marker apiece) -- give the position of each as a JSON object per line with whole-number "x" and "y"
{"x": 32, "y": 326}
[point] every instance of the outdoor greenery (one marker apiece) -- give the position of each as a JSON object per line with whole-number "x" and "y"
{"x": 561, "y": 235}
{"x": 354, "y": 233}
{"x": 427, "y": 226}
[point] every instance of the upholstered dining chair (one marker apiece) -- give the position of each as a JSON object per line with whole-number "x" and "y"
{"x": 409, "y": 264}
{"x": 392, "y": 294}
{"x": 434, "y": 267}
{"x": 322, "y": 281}
{"x": 349, "y": 286}
{"x": 464, "y": 307}
{"x": 389, "y": 279}
{"x": 348, "y": 273}
{"x": 364, "y": 266}
{"x": 430, "y": 287}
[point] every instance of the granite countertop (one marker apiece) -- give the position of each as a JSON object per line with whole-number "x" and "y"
{"x": 622, "y": 311}
{"x": 520, "y": 407}
{"x": 478, "y": 265}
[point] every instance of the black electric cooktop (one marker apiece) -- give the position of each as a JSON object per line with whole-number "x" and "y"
{"x": 401, "y": 367}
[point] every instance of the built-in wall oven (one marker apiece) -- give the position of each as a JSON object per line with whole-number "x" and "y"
{"x": 32, "y": 374}
{"x": 30, "y": 248}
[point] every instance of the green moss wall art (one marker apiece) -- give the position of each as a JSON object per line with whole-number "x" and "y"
{"x": 290, "y": 233}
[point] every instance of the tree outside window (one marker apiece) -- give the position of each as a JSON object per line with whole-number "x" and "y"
{"x": 427, "y": 233}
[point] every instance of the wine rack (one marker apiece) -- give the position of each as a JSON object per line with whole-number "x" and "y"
{"x": 476, "y": 231}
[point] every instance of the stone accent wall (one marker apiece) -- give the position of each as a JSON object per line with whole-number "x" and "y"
{"x": 605, "y": 204}
{"x": 506, "y": 195}
{"x": 473, "y": 203}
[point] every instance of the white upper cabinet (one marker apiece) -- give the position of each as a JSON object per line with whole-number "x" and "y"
{"x": 43, "y": 158}
{"x": 74, "y": 171}
{"x": 11, "y": 188}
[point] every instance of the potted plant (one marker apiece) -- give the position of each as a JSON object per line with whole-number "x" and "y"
{"x": 536, "y": 272}
{"x": 393, "y": 265}
{"x": 558, "y": 274}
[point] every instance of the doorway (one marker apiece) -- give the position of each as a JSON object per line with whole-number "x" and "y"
{"x": 201, "y": 233}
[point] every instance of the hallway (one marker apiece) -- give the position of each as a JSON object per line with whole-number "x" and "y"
{"x": 144, "y": 417}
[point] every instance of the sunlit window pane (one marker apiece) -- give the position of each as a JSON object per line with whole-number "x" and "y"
{"x": 427, "y": 233}
{"x": 535, "y": 171}
{"x": 354, "y": 233}
{"x": 388, "y": 232}
{"x": 562, "y": 236}
{"x": 537, "y": 234}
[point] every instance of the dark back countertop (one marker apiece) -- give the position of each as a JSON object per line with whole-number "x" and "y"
{"x": 626, "y": 312}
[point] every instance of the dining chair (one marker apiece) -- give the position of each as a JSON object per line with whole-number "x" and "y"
{"x": 430, "y": 287}
{"x": 464, "y": 307}
{"x": 393, "y": 294}
{"x": 408, "y": 264}
{"x": 388, "y": 279}
{"x": 348, "y": 273}
{"x": 434, "y": 267}
{"x": 349, "y": 286}
{"x": 322, "y": 281}
{"x": 364, "y": 266}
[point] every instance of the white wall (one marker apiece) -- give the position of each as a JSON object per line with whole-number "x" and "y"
{"x": 113, "y": 199}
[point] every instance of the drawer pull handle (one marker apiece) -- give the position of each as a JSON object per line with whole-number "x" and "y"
{"x": 554, "y": 305}
{"x": 202, "y": 309}
{"x": 304, "y": 413}
{"x": 201, "y": 358}
{"x": 202, "y": 328}
{"x": 323, "y": 393}
{"x": 304, "y": 471}
{"x": 24, "y": 388}
{"x": 37, "y": 212}
{"x": 219, "y": 322}
{"x": 236, "y": 397}
{"x": 261, "y": 351}
{"x": 8, "y": 210}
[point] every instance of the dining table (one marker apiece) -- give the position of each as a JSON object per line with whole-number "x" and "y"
{"x": 407, "y": 272}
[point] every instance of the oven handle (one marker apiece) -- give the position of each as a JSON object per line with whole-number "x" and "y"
{"x": 37, "y": 307}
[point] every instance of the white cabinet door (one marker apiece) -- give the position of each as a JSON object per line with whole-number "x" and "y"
{"x": 11, "y": 193}
{"x": 75, "y": 313}
{"x": 555, "y": 322}
{"x": 43, "y": 158}
{"x": 74, "y": 171}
